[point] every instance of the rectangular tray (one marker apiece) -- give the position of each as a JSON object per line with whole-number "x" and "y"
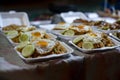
{"x": 48, "y": 57}
{"x": 117, "y": 44}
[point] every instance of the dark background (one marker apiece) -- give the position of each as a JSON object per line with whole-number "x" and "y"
{"x": 35, "y": 8}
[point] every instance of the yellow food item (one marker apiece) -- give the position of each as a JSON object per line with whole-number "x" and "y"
{"x": 36, "y": 34}
{"x": 42, "y": 43}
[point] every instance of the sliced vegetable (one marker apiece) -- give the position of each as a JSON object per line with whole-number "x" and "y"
{"x": 77, "y": 39}
{"x": 12, "y": 34}
{"x": 69, "y": 33}
{"x": 23, "y": 37}
{"x": 28, "y": 50}
{"x": 23, "y": 44}
{"x": 87, "y": 45}
{"x": 105, "y": 28}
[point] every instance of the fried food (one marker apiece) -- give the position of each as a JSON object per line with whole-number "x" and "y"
{"x": 93, "y": 41}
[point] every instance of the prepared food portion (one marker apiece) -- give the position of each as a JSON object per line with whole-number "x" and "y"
{"x": 61, "y": 26}
{"x": 18, "y": 28}
{"x": 12, "y": 27}
{"x": 84, "y": 21}
{"x": 23, "y": 34}
{"x": 93, "y": 40}
{"x": 80, "y": 29}
{"x": 117, "y": 34}
{"x": 102, "y": 25}
{"x": 74, "y": 30}
{"x": 107, "y": 26}
{"x": 40, "y": 48}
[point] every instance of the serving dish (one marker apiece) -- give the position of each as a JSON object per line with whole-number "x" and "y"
{"x": 101, "y": 25}
{"x": 71, "y": 31}
{"x": 46, "y": 57}
{"x": 101, "y": 47}
{"x": 31, "y": 35}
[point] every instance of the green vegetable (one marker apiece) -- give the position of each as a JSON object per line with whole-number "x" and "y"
{"x": 68, "y": 32}
{"x": 105, "y": 28}
{"x": 12, "y": 34}
{"x": 23, "y": 37}
{"x": 22, "y": 44}
{"x": 77, "y": 39}
{"x": 87, "y": 45}
{"x": 28, "y": 50}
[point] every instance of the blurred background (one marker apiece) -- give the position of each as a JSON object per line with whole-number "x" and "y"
{"x": 43, "y": 9}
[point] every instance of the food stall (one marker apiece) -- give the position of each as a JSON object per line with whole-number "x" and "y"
{"x": 83, "y": 50}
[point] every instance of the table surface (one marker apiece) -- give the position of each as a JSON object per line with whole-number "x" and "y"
{"x": 103, "y": 65}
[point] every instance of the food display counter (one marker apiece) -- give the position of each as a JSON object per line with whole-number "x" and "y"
{"x": 77, "y": 65}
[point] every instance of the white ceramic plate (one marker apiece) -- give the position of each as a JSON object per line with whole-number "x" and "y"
{"x": 48, "y": 57}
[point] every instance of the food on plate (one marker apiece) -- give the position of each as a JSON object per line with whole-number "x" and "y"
{"x": 24, "y": 37}
{"x": 12, "y": 34}
{"x": 39, "y": 34}
{"x": 103, "y": 25}
{"x": 28, "y": 50}
{"x": 61, "y": 26}
{"x": 76, "y": 30}
{"x": 23, "y": 44}
{"x": 12, "y": 27}
{"x": 87, "y": 45}
{"x": 106, "y": 26}
{"x": 19, "y": 36}
{"x": 83, "y": 21}
{"x": 117, "y": 34}
{"x": 19, "y": 28}
{"x": 26, "y": 29}
{"x": 77, "y": 39}
{"x": 42, "y": 47}
{"x": 68, "y": 32}
{"x": 93, "y": 40}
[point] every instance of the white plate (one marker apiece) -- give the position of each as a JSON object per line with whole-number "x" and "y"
{"x": 48, "y": 57}
{"x": 117, "y": 44}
